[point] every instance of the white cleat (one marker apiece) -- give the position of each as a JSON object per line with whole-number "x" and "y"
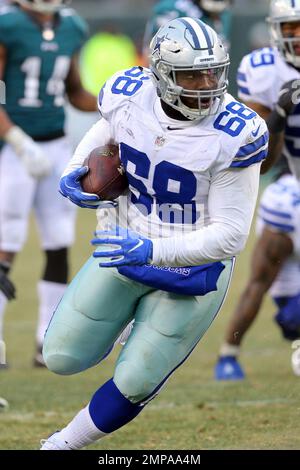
{"x": 54, "y": 442}
{"x": 295, "y": 360}
{"x": 3, "y": 404}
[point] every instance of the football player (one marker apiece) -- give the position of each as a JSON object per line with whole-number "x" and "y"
{"x": 164, "y": 256}
{"x": 39, "y": 44}
{"x": 216, "y": 13}
{"x": 268, "y": 81}
{"x": 275, "y": 268}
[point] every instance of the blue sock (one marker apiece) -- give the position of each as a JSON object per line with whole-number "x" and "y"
{"x": 110, "y": 410}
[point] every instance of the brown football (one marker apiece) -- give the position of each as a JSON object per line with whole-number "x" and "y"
{"x": 106, "y": 176}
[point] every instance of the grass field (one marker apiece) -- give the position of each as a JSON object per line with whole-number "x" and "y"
{"x": 193, "y": 412}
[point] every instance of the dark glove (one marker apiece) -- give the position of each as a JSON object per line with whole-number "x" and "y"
{"x": 6, "y": 286}
{"x": 288, "y": 98}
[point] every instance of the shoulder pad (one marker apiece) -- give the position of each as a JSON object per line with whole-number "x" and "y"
{"x": 122, "y": 87}
{"x": 6, "y": 9}
{"x": 68, "y": 12}
{"x": 11, "y": 20}
{"x": 244, "y": 134}
{"x": 256, "y": 75}
{"x": 78, "y": 23}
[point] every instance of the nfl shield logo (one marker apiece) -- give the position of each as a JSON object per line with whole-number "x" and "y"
{"x": 159, "y": 141}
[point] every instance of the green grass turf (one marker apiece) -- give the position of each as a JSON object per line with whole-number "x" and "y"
{"x": 193, "y": 412}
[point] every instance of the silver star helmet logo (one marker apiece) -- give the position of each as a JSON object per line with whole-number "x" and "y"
{"x": 158, "y": 43}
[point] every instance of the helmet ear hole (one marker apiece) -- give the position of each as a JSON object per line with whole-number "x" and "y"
{"x": 189, "y": 45}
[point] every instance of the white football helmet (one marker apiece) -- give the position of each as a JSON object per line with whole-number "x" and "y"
{"x": 284, "y": 11}
{"x": 43, "y": 6}
{"x": 215, "y": 6}
{"x": 188, "y": 44}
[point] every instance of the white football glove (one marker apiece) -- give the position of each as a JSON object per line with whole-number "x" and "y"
{"x": 32, "y": 156}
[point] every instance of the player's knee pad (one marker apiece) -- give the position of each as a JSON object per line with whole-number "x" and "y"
{"x": 73, "y": 341}
{"x": 70, "y": 344}
{"x": 59, "y": 229}
{"x": 61, "y": 363}
{"x": 134, "y": 381}
{"x": 13, "y": 233}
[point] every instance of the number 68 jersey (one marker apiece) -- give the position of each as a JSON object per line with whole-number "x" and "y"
{"x": 260, "y": 77}
{"x": 172, "y": 164}
{"x": 37, "y": 65}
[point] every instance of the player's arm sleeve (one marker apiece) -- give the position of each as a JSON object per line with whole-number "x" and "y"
{"x": 81, "y": 32}
{"x": 4, "y": 35}
{"x": 231, "y": 204}
{"x": 254, "y": 148}
{"x": 98, "y": 135}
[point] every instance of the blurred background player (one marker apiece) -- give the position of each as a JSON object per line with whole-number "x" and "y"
{"x": 275, "y": 267}
{"x": 215, "y": 13}
{"x": 39, "y": 43}
{"x": 268, "y": 83}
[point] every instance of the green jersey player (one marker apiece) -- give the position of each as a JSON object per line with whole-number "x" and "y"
{"x": 39, "y": 44}
{"x": 215, "y": 13}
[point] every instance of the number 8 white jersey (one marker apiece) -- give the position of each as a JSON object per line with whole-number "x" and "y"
{"x": 36, "y": 68}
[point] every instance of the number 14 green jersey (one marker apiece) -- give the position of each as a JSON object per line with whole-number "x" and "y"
{"x": 37, "y": 65}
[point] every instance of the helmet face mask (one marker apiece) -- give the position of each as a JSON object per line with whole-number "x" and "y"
{"x": 282, "y": 14}
{"x": 43, "y": 6}
{"x": 187, "y": 47}
{"x": 215, "y": 6}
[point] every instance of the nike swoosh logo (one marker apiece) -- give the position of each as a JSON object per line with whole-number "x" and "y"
{"x": 174, "y": 128}
{"x": 140, "y": 243}
{"x": 255, "y": 133}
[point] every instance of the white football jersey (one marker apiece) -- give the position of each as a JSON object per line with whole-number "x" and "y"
{"x": 260, "y": 77}
{"x": 170, "y": 164}
{"x": 279, "y": 210}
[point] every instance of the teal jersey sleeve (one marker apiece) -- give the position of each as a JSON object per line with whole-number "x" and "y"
{"x": 77, "y": 24}
{"x": 37, "y": 66}
{"x": 9, "y": 22}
